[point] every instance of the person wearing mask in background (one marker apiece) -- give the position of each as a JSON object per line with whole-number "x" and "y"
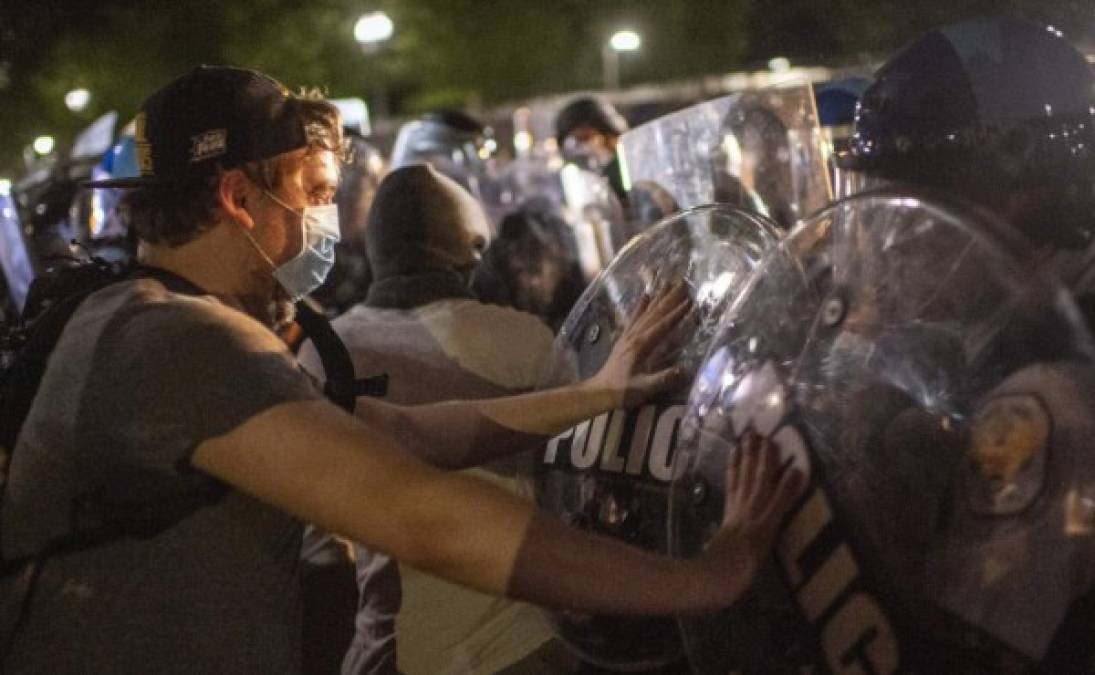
{"x": 586, "y": 131}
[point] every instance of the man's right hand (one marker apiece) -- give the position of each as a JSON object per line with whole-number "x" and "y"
{"x": 758, "y": 495}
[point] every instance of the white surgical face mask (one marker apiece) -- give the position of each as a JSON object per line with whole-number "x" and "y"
{"x": 587, "y": 154}
{"x": 306, "y": 271}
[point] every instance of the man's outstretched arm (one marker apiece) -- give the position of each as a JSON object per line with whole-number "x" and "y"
{"x": 326, "y": 467}
{"x": 459, "y": 434}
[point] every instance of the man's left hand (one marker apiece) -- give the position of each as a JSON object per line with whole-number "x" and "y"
{"x": 641, "y": 362}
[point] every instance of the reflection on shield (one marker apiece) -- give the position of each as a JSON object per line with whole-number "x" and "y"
{"x": 596, "y": 216}
{"x": 760, "y": 150}
{"x": 526, "y": 177}
{"x": 556, "y": 227}
{"x": 936, "y": 390}
{"x": 52, "y": 206}
{"x": 611, "y": 474}
{"x": 15, "y": 262}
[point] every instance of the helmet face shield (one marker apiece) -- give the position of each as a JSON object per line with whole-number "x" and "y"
{"x": 460, "y": 154}
{"x": 15, "y": 258}
{"x": 759, "y": 149}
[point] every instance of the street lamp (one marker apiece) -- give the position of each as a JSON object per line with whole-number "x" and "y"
{"x": 77, "y": 100}
{"x": 43, "y": 145}
{"x": 373, "y": 29}
{"x": 621, "y": 41}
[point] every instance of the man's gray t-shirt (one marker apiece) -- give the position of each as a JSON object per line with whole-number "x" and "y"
{"x": 140, "y": 377}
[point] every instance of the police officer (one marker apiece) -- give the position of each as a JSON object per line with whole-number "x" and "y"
{"x": 997, "y": 111}
{"x": 586, "y": 131}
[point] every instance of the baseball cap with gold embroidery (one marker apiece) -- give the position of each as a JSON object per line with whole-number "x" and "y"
{"x": 213, "y": 117}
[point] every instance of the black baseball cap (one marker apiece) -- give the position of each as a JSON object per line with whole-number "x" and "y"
{"x": 213, "y": 116}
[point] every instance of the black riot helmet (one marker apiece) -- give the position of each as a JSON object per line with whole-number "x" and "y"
{"x": 450, "y": 135}
{"x": 451, "y": 141}
{"x": 999, "y": 111}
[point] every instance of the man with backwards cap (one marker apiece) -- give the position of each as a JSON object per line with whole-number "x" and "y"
{"x": 170, "y": 411}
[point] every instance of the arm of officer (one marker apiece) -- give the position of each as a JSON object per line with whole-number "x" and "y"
{"x": 459, "y": 434}
{"x": 326, "y": 467}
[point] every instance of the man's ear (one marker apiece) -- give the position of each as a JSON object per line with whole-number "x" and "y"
{"x": 234, "y": 193}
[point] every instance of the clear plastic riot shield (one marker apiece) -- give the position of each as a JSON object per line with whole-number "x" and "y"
{"x": 15, "y": 262}
{"x": 596, "y": 216}
{"x": 532, "y": 262}
{"x": 53, "y": 206}
{"x": 939, "y": 392}
{"x": 526, "y": 177}
{"x": 611, "y": 474}
{"x": 760, "y": 149}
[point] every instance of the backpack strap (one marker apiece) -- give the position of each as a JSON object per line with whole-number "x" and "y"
{"x": 341, "y": 386}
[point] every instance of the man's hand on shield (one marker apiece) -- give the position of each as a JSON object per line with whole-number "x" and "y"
{"x": 758, "y": 494}
{"x": 641, "y": 362}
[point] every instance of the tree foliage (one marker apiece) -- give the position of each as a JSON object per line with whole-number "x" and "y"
{"x": 444, "y": 52}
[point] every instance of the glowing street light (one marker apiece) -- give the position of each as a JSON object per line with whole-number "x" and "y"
{"x": 621, "y": 41}
{"x": 371, "y": 31}
{"x": 77, "y": 100}
{"x": 43, "y": 145}
{"x": 625, "y": 41}
{"x": 5, "y": 187}
{"x": 373, "y": 28}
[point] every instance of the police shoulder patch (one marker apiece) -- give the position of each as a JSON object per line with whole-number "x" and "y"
{"x": 1007, "y": 433}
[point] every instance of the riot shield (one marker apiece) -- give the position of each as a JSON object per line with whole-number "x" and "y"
{"x": 94, "y": 219}
{"x": 532, "y": 263}
{"x": 53, "y": 206}
{"x": 936, "y": 389}
{"x": 15, "y": 262}
{"x": 596, "y": 215}
{"x": 610, "y": 475}
{"x": 760, "y": 149}
{"x": 526, "y": 177}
